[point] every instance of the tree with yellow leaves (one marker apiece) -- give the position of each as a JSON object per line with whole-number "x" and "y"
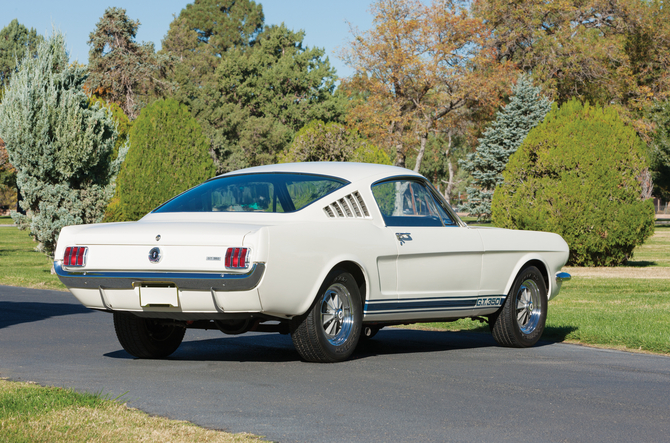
{"x": 420, "y": 69}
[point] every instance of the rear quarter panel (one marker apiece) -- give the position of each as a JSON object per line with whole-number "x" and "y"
{"x": 300, "y": 256}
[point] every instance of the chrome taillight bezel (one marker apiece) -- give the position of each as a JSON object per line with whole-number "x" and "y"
{"x": 78, "y": 260}
{"x": 237, "y": 258}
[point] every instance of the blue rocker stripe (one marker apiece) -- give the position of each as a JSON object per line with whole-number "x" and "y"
{"x": 399, "y": 305}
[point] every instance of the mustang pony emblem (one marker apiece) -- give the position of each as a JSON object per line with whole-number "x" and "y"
{"x": 155, "y": 255}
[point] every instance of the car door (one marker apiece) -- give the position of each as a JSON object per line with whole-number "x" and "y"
{"x": 439, "y": 261}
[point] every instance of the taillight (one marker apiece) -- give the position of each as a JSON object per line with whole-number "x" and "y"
{"x": 237, "y": 258}
{"x": 75, "y": 256}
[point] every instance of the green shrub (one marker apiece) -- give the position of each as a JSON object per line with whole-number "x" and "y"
{"x": 168, "y": 155}
{"x": 331, "y": 142}
{"x": 579, "y": 174}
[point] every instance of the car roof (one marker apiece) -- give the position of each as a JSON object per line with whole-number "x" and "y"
{"x": 349, "y": 171}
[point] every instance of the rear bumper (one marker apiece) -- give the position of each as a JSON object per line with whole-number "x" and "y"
{"x": 203, "y": 281}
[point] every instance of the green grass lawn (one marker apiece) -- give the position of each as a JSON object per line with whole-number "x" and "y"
{"x": 6, "y": 220}
{"x": 32, "y": 413}
{"x": 23, "y": 266}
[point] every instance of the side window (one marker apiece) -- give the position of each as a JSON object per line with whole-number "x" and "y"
{"x": 444, "y": 214}
{"x": 408, "y": 203}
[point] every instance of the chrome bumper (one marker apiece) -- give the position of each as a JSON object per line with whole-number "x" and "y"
{"x": 198, "y": 281}
{"x": 563, "y": 276}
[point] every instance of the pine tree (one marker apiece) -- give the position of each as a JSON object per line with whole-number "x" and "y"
{"x": 264, "y": 95}
{"x": 169, "y": 154}
{"x": 121, "y": 70}
{"x": 60, "y": 144}
{"x": 526, "y": 109}
{"x": 15, "y": 40}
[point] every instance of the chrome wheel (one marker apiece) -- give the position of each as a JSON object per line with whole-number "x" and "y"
{"x": 330, "y": 330}
{"x": 520, "y": 321}
{"x": 337, "y": 317}
{"x": 528, "y": 305}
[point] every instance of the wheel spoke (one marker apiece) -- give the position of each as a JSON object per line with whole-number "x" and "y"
{"x": 519, "y": 316}
{"x": 332, "y": 327}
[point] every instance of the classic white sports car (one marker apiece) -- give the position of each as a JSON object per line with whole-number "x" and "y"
{"x": 328, "y": 252}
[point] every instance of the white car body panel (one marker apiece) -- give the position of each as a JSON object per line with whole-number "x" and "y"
{"x": 441, "y": 273}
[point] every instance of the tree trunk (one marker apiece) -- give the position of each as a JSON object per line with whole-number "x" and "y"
{"x": 399, "y": 156}
{"x": 419, "y": 158}
{"x": 450, "y": 184}
{"x": 450, "y": 168}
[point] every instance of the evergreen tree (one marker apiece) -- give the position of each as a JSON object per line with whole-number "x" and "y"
{"x": 168, "y": 155}
{"x": 60, "y": 145}
{"x": 580, "y": 174}
{"x": 223, "y": 24}
{"x": 264, "y": 95}
{"x": 525, "y": 110}
{"x": 121, "y": 70}
{"x": 200, "y": 36}
{"x": 15, "y": 40}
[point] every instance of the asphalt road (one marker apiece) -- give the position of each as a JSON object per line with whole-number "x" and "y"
{"x": 403, "y": 385}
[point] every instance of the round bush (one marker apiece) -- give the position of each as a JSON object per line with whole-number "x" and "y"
{"x": 579, "y": 174}
{"x": 168, "y": 155}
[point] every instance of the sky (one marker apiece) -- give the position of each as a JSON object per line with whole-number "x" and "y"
{"x": 326, "y": 24}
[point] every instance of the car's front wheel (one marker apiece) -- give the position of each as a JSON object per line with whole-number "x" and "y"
{"x": 146, "y": 337}
{"x": 331, "y": 329}
{"x": 520, "y": 322}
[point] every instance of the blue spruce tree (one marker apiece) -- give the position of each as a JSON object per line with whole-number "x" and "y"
{"x": 526, "y": 109}
{"x": 60, "y": 144}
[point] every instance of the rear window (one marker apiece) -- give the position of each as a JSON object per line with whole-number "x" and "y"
{"x": 254, "y": 193}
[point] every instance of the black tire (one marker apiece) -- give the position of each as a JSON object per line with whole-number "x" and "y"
{"x": 520, "y": 322}
{"x": 330, "y": 330}
{"x": 146, "y": 337}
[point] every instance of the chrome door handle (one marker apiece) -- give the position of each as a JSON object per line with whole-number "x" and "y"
{"x": 403, "y": 237}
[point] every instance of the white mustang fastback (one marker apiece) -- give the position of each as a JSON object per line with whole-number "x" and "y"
{"x": 328, "y": 252}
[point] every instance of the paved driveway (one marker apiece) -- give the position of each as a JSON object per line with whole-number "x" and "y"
{"x": 402, "y": 386}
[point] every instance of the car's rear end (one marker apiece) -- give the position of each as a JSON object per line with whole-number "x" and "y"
{"x": 178, "y": 270}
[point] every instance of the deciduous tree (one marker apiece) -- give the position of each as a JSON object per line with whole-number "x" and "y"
{"x": 420, "y": 67}
{"x": 331, "y": 142}
{"x": 597, "y": 50}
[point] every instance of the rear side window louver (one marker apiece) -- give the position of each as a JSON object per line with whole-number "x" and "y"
{"x": 349, "y": 206}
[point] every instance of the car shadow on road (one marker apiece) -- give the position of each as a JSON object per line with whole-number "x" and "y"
{"x": 257, "y": 347}
{"x": 14, "y": 313}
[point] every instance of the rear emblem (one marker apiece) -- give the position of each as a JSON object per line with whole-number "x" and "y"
{"x": 155, "y": 255}
{"x": 158, "y": 237}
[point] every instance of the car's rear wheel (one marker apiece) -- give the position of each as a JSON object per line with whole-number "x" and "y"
{"x": 331, "y": 329}
{"x": 520, "y": 322}
{"x": 146, "y": 337}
